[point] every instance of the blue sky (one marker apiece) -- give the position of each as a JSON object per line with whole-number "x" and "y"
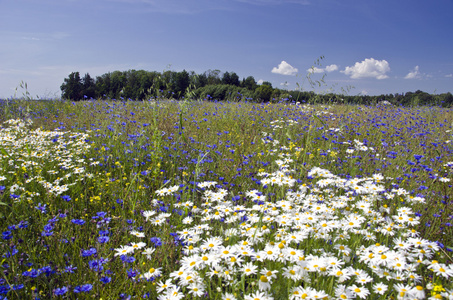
{"x": 385, "y": 46}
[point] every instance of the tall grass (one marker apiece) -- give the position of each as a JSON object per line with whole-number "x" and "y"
{"x": 219, "y": 200}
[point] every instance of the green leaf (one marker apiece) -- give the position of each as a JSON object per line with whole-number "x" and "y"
{"x": 3, "y": 151}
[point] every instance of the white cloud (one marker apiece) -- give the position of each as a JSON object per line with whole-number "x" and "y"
{"x": 331, "y": 68}
{"x": 315, "y": 70}
{"x": 414, "y": 74}
{"x": 369, "y": 67}
{"x": 260, "y": 81}
{"x": 449, "y": 75}
{"x": 284, "y": 68}
{"x": 284, "y": 84}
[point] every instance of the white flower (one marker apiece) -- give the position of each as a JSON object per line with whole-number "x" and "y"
{"x": 148, "y": 252}
{"x": 124, "y": 250}
{"x": 137, "y": 233}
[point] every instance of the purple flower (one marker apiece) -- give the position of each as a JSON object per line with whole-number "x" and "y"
{"x": 105, "y": 279}
{"x": 70, "y": 269}
{"x": 41, "y": 207}
{"x": 89, "y": 252}
{"x": 8, "y": 234}
{"x": 78, "y": 221}
{"x": 83, "y": 288}
{"x": 60, "y": 291}
{"x": 103, "y": 239}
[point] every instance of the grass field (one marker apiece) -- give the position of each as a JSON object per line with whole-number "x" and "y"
{"x": 215, "y": 200}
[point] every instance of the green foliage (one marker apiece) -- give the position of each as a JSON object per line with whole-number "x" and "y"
{"x": 263, "y": 92}
{"x": 72, "y": 88}
{"x": 141, "y": 85}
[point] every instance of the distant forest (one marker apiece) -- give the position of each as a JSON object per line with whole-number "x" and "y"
{"x": 215, "y": 85}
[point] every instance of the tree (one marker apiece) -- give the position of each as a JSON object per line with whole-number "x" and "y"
{"x": 267, "y": 83}
{"x": 263, "y": 92}
{"x": 234, "y": 79}
{"x": 89, "y": 86}
{"x": 249, "y": 83}
{"x": 212, "y": 77}
{"x": 181, "y": 82}
{"x": 72, "y": 87}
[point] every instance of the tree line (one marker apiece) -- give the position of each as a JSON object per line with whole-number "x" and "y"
{"x": 215, "y": 85}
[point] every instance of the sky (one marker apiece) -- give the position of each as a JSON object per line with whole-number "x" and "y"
{"x": 362, "y": 47}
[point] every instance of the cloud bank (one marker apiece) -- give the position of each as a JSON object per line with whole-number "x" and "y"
{"x": 285, "y": 68}
{"x": 368, "y": 68}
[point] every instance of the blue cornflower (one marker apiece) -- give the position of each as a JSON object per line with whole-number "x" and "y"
{"x": 131, "y": 273}
{"x": 66, "y": 198}
{"x": 41, "y": 207}
{"x": 127, "y": 259}
{"x": 47, "y": 233}
{"x": 32, "y": 273}
{"x": 89, "y": 252}
{"x": 103, "y": 239}
{"x": 48, "y": 227}
{"x": 101, "y": 214}
{"x": 78, "y": 221}
{"x": 86, "y": 287}
{"x": 96, "y": 265}
{"x": 11, "y": 253}
{"x": 18, "y": 287}
{"x": 47, "y": 270}
{"x": 8, "y": 234}
{"x": 22, "y": 224}
{"x": 157, "y": 241}
{"x": 70, "y": 269}
{"x": 105, "y": 279}
{"x": 60, "y": 291}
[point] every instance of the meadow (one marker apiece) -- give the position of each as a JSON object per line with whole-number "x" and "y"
{"x": 165, "y": 199}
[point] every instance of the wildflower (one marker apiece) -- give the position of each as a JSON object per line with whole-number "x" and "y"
{"x": 105, "y": 279}
{"x": 78, "y": 221}
{"x": 60, "y": 291}
{"x": 418, "y": 292}
{"x": 103, "y": 239}
{"x": 258, "y": 295}
{"x": 249, "y": 269}
{"x": 148, "y": 214}
{"x": 137, "y": 234}
{"x": 361, "y": 292}
{"x": 228, "y": 296}
{"x": 123, "y": 250}
{"x": 197, "y": 288}
{"x": 162, "y": 286}
{"x": 148, "y": 252}
{"x": 83, "y": 288}
{"x": 342, "y": 292}
{"x": 442, "y": 269}
{"x": 42, "y": 208}
{"x": 402, "y": 289}
{"x": 380, "y": 288}
{"x": 153, "y": 273}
